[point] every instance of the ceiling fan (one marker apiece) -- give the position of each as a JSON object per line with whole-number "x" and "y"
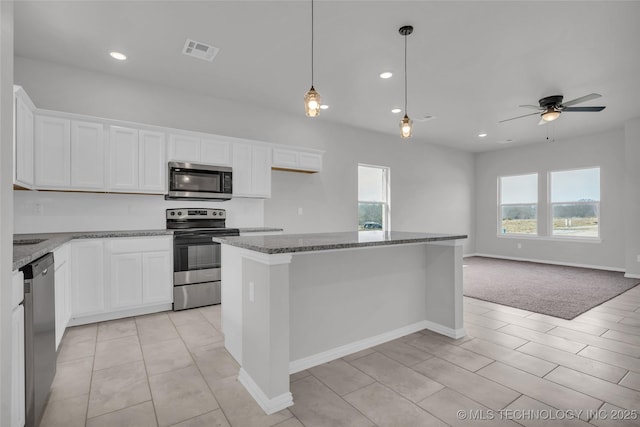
{"x": 551, "y": 106}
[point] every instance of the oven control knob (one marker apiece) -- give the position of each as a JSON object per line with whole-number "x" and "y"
{"x": 179, "y": 213}
{"x": 215, "y": 213}
{"x": 173, "y": 213}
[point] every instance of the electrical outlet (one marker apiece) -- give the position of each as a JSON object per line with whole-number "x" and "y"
{"x": 37, "y": 209}
{"x": 519, "y": 245}
{"x": 252, "y": 292}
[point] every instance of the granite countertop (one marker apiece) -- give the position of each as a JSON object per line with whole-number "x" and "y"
{"x": 259, "y": 229}
{"x": 43, "y": 243}
{"x": 289, "y": 243}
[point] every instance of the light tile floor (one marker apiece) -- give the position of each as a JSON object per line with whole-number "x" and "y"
{"x": 515, "y": 367}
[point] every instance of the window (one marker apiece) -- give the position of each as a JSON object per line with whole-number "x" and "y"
{"x": 518, "y": 204}
{"x": 373, "y": 198}
{"x": 575, "y": 202}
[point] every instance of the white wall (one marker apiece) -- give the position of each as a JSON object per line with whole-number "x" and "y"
{"x": 6, "y": 204}
{"x": 632, "y": 197}
{"x": 431, "y": 187}
{"x": 41, "y": 212}
{"x": 606, "y": 150}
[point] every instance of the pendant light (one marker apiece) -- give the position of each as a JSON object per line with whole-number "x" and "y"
{"x": 406, "y": 124}
{"x": 312, "y": 97}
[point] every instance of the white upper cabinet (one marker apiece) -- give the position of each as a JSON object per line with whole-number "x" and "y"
{"x": 69, "y": 154}
{"x": 211, "y": 150}
{"x": 87, "y": 155}
{"x": 293, "y": 159}
{"x": 251, "y": 170}
{"x": 152, "y": 175}
{"x": 123, "y": 159}
{"x": 52, "y": 152}
{"x": 23, "y": 140}
{"x": 184, "y": 148}
{"x": 137, "y": 161}
{"x": 216, "y": 151}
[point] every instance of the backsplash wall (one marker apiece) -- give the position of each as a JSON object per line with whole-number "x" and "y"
{"x": 53, "y": 211}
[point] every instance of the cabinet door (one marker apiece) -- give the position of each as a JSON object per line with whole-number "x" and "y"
{"x": 52, "y": 152}
{"x": 157, "y": 283}
{"x": 17, "y": 368}
{"x": 311, "y": 162}
{"x": 261, "y": 171}
{"x": 241, "y": 169}
{"x": 87, "y": 155}
{"x": 286, "y": 159}
{"x": 153, "y": 162}
{"x": 215, "y": 151}
{"x": 184, "y": 148}
{"x": 24, "y": 141}
{"x": 123, "y": 168}
{"x": 126, "y": 280}
{"x": 87, "y": 277}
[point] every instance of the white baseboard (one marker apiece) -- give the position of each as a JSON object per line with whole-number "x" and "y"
{"x": 102, "y": 317}
{"x": 443, "y": 330}
{"x": 338, "y": 352}
{"x": 544, "y": 261}
{"x": 268, "y": 405}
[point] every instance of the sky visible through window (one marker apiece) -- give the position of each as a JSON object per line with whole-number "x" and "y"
{"x": 519, "y": 189}
{"x": 575, "y": 185}
{"x": 371, "y": 185}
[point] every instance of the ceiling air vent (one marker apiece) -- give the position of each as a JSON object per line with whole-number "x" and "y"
{"x": 200, "y": 50}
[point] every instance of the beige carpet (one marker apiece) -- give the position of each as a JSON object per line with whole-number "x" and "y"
{"x": 558, "y": 291}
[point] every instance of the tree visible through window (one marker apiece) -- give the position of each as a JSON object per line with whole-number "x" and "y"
{"x": 575, "y": 202}
{"x": 518, "y": 204}
{"x": 373, "y": 197}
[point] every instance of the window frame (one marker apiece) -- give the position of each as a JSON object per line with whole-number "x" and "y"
{"x": 386, "y": 205}
{"x": 500, "y": 205}
{"x": 551, "y": 204}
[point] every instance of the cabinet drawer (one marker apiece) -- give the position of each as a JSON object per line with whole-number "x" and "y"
{"x": 140, "y": 244}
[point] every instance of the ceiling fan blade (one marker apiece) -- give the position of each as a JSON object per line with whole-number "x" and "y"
{"x": 519, "y": 117}
{"x": 535, "y": 107}
{"x": 584, "y": 109}
{"x": 581, "y": 99}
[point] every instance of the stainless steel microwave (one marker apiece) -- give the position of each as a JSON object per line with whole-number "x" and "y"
{"x": 190, "y": 181}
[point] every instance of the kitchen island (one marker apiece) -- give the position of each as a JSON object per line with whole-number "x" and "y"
{"x": 291, "y": 302}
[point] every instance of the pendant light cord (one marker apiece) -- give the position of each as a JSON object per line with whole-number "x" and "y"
{"x": 405, "y": 74}
{"x": 311, "y": 43}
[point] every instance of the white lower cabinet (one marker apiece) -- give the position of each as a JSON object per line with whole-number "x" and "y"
{"x": 135, "y": 278}
{"x": 17, "y": 396}
{"x": 62, "y": 290}
{"x": 87, "y": 277}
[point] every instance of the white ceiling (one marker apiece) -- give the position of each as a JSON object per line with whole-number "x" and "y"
{"x": 470, "y": 64}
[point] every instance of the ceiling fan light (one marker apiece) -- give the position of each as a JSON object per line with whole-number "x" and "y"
{"x": 312, "y": 102}
{"x": 406, "y": 127}
{"x": 550, "y": 115}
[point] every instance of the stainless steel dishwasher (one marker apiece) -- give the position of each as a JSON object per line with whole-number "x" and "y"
{"x": 40, "y": 335}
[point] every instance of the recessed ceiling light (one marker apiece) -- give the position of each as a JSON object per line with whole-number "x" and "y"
{"x": 324, "y": 107}
{"x": 396, "y": 110}
{"x": 117, "y": 55}
{"x": 482, "y": 135}
{"x": 386, "y": 75}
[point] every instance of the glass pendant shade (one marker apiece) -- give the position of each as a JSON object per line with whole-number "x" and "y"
{"x": 550, "y": 115}
{"x": 406, "y": 127}
{"x": 312, "y": 103}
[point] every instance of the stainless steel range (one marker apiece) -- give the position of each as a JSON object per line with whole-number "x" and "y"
{"x": 196, "y": 258}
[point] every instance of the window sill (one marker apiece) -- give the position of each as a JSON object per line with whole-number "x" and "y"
{"x": 551, "y": 238}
